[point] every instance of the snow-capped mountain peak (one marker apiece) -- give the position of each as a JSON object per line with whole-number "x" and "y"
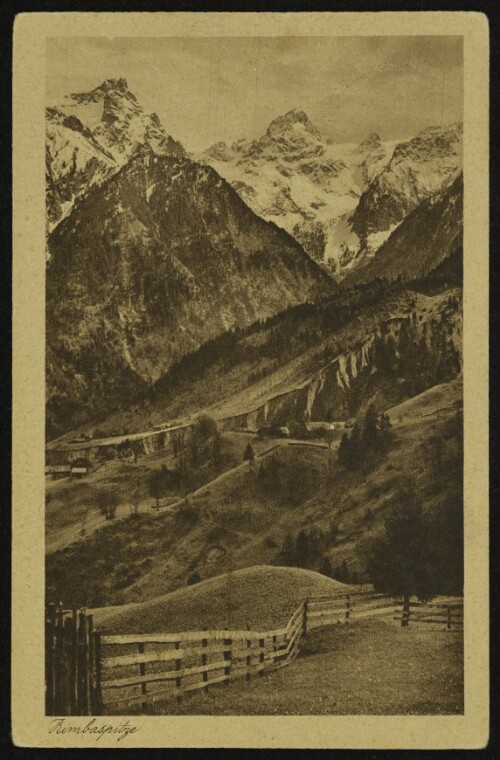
{"x": 371, "y": 142}
{"x": 341, "y": 202}
{"x": 291, "y": 121}
{"x": 90, "y": 135}
{"x": 296, "y": 177}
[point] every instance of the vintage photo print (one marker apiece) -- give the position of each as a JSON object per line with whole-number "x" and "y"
{"x": 250, "y": 380}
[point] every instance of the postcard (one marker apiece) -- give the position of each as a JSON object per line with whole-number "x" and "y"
{"x": 250, "y": 380}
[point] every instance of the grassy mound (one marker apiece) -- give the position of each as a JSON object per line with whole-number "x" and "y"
{"x": 261, "y": 597}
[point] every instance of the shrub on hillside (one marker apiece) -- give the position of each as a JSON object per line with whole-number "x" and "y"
{"x": 341, "y": 572}
{"x": 107, "y": 502}
{"x": 193, "y": 578}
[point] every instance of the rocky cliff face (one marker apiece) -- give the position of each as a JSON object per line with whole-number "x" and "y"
{"x": 418, "y": 169}
{"x": 161, "y": 257}
{"x": 90, "y": 135}
{"x": 403, "y": 357}
{"x": 430, "y": 234}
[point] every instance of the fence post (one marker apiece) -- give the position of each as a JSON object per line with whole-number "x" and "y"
{"x": 227, "y": 654}
{"x": 58, "y": 661}
{"x": 262, "y": 645}
{"x": 405, "y": 618}
{"x": 178, "y": 666}
{"x": 204, "y": 660}
{"x": 142, "y": 672}
{"x": 304, "y": 616}
{"x": 249, "y": 657}
{"x": 50, "y": 624}
{"x": 90, "y": 662}
{"x": 448, "y": 618}
{"x": 347, "y": 607}
{"x": 83, "y": 706}
{"x": 67, "y": 693}
{"x": 73, "y": 661}
{"x": 97, "y": 707}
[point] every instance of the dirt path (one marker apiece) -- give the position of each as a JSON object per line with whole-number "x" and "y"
{"x": 94, "y": 520}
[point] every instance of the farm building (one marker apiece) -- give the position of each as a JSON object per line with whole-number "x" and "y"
{"x": 122, "y": 446}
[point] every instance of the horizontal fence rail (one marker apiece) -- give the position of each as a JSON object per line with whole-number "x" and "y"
{"x": 88, "y": 672}
{"x": 153, "y": 667}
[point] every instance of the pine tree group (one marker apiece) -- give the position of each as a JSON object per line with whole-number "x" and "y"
{"x": 372, "y": 438}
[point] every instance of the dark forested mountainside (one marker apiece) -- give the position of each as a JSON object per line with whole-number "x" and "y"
{"x": 159, "y": 259}
{"x": 430, "y": 234}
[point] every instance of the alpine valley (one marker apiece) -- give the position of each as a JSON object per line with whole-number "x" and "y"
{"x": 245, "y": 345}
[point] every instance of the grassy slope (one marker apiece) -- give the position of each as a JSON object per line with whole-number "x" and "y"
{"x": 237, "y": 524}
{"x": 69, "y": 500}
{"x": 366, "y": 668}
{"x": 261, "y": 597}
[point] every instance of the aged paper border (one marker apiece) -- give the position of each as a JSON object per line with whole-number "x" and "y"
{"x": 30, "y": 725}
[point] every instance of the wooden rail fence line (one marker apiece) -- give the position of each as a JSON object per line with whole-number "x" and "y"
{"x": 90, "y": 673}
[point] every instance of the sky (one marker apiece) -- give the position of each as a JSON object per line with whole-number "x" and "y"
{"x": 209, "y": 89}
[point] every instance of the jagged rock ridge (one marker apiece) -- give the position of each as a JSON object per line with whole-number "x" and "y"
{"x": 90, "y": 135}
{"x": 418, "y": 169}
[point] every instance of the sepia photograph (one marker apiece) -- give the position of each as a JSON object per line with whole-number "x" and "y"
{"x": 254, "y": 422}
{"x": 253, "y": 353}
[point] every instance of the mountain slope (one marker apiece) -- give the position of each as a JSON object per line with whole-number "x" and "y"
{"x": 160, "y": 258}
{"x": 425, "y": 238}
{"x": 90, "y": 135}
{"x": 248, "y": 518}
{"x": 377, "y": 343}
{"x": 418, "y": 169}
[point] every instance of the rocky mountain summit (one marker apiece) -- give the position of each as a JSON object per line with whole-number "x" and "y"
{"x": 153, "y": 262}
{"x": 90, "y": 135}
{"x": 418, "y": 169}
{"x": 296, "y": 177}
{"x": 341, "y": 202}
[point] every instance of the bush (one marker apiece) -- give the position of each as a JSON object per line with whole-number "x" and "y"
{"x": 269, "y": 542}
{"x": 368, "y": 441}
{"x": 107, "y": 501}
{"x": 193, "y": 578}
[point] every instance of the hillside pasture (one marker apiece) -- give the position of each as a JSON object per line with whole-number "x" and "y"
{"x": 366, "y": 668}
{"x": 72, "y": 503}
{"x": 244, "y": 519}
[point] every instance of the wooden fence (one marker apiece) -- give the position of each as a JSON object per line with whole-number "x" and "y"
{"x": 345, "y": 608}
{"x": 72, "y": 651}
{"x": 93, "y": 673}
{"x": 178, "y": 663}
